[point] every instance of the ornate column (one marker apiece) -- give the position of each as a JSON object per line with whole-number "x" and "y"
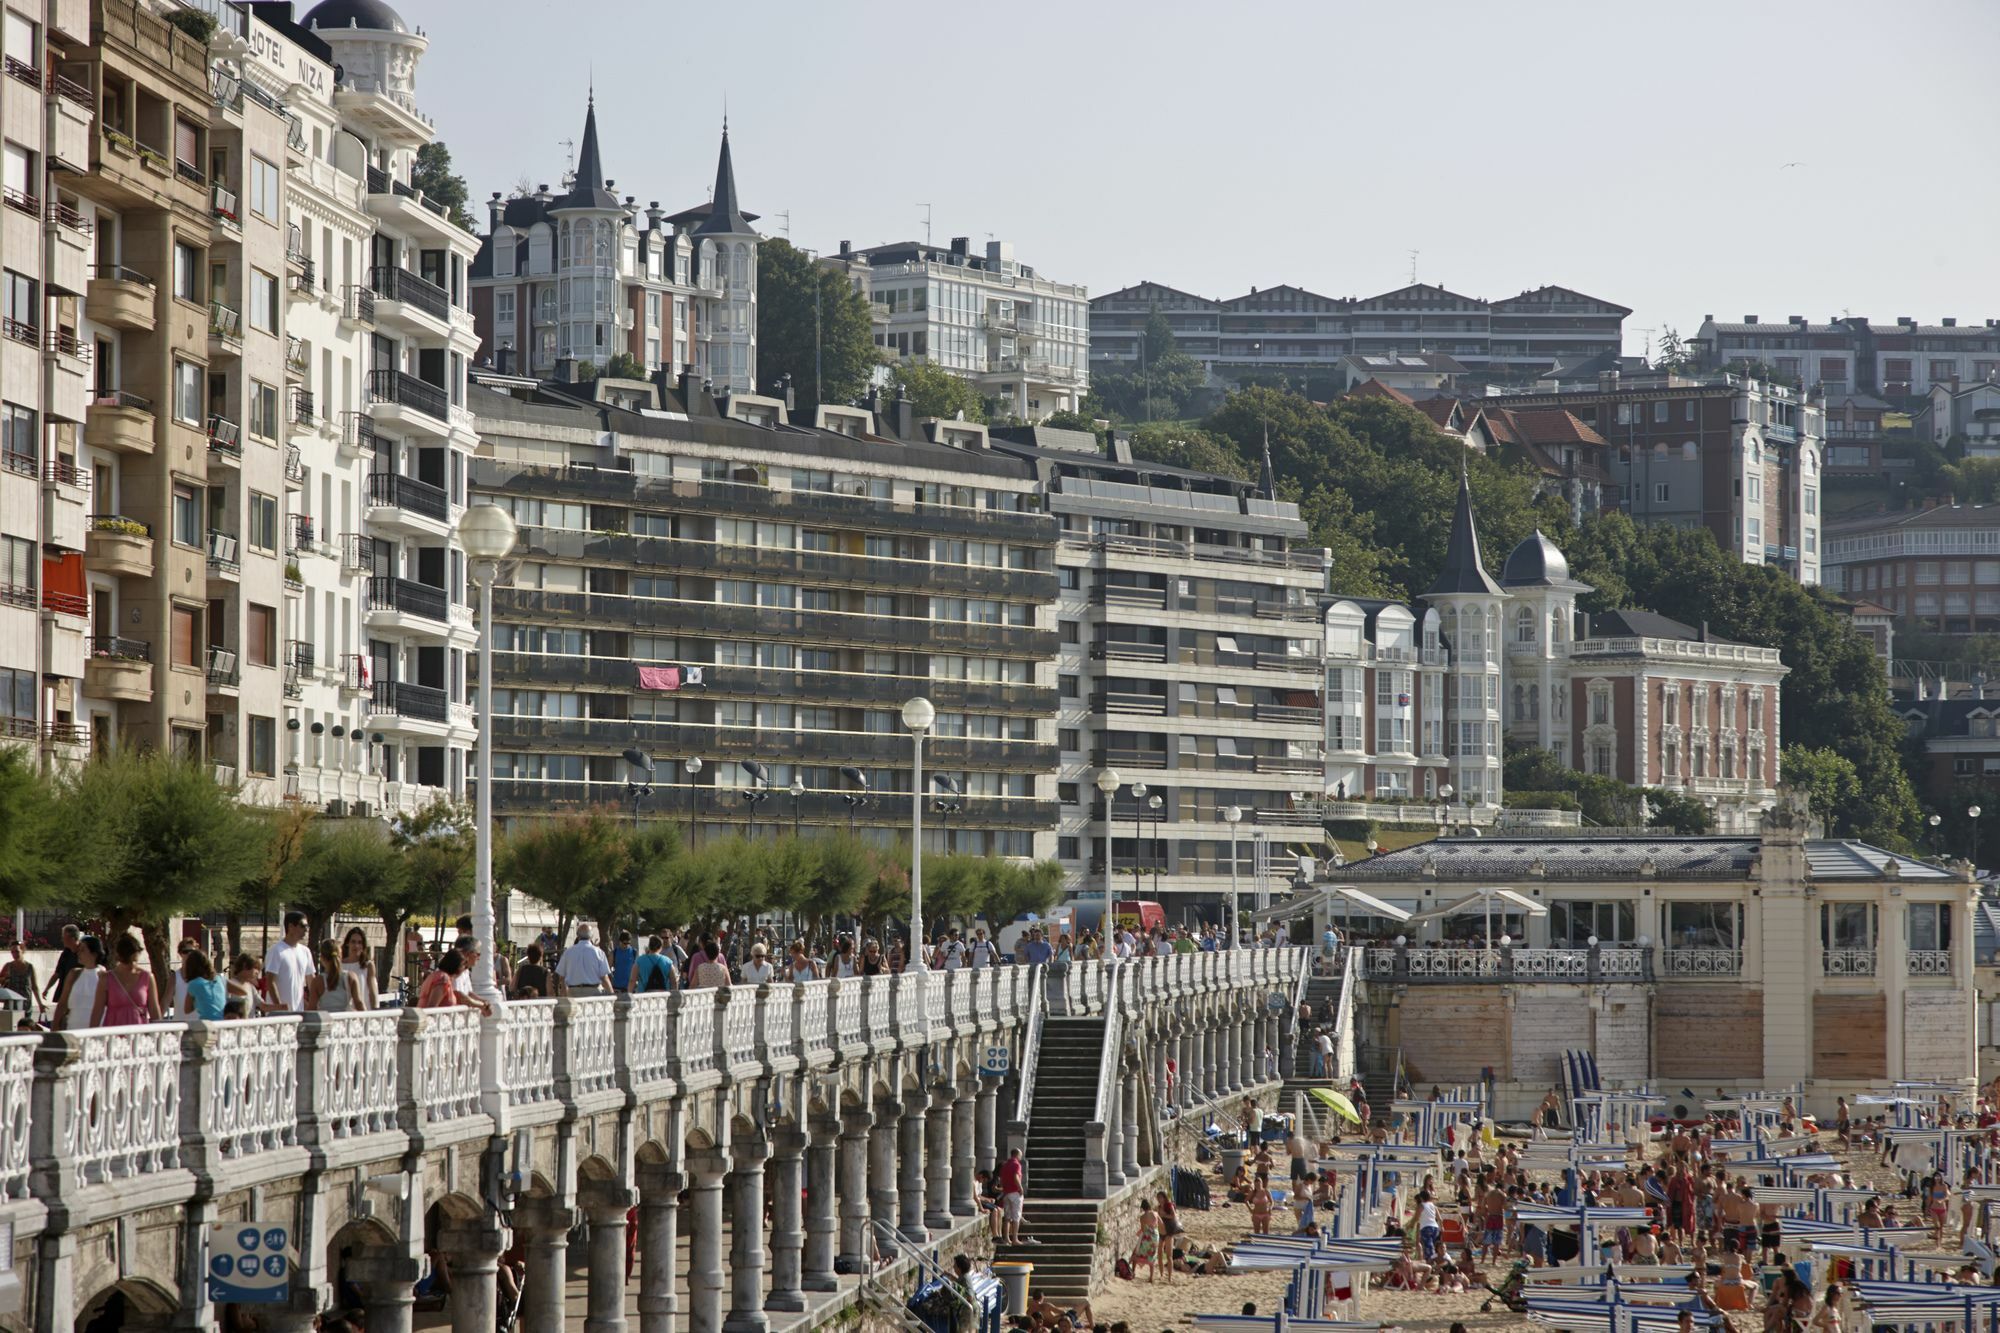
{"x": 746, "y": 1235}
{"x": 986, "y": 1126}
{"x": 1128, "y": 1103}
{"x": 546, "y": 1226}
{"x": 964, "y": 1200}
{"x": 788, "y": 1235}
{"x": 1157, "y": 1052}
{"x": 659, "y": 1235}
{"x": 705, "y": 1172}
{"x": 822, "y": 1204}
{"x": 473, "y": 1250}
{"x": 854, "y": 1175}
{"x": 882, "y": 1200}
{"x": 937, "y": 1160}
{"x": 609, "y": 1209}
{"x": 910, "y": 1146}
{"x": 388, "y": 1279}
{"x": 1225, "y": 1053}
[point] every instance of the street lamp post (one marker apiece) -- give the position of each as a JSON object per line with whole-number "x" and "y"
{"x": 638, "y": 780}
{"x": 1107, "y": 786}
{"x": 1156, "y": 807}
{"x": 1443, "y": 806}
{"x": 1972, "y": 813}
{"x": 917, "y": 716}
{"x": 859, "y": 796}
{"x": 1232, "y": 815}
{"x": 948, "y": 804}
{"x": 798, "y": 795}
{"x": 486, "y": 535}
{"x": 1138, "y": 806}
{"x": 692, "y": 767}
{"x": 1934, "y": 821}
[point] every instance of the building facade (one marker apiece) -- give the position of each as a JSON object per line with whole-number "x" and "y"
{"x": 1903, "y": 360}
{"x": 1740, "y": 457}
{"x": 751, "y": 602}
{"x": 1020, "y": 338}
{"x": 1936, "y": 567}
{"x": 1187, "y": 666}
{"x": 1293, "y": 332}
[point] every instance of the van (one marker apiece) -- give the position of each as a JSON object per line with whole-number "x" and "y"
{"x": 1139, "y": 915}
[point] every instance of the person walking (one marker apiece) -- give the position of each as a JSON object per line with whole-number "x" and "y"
{"x": 440, "y": 988}
{"x": 289, "y": 965}
{"x": 19, "y": 976}
{"x": 758, "y": 971}
{"x": 622, "y": 959}
{"x": 531, "y": 979}
{"x": 206, "y": 994}
{"x": 333, "y": 989}
{"x": 655, "y": 970}
{"x": 583, "y": 966}
{"x": 76, "y": 1000}
{"x": 64, "y": 962}
{"x": 357, "y": 962}
{"x": 125, "y": 997}
{"x": 1013, "y": 1187}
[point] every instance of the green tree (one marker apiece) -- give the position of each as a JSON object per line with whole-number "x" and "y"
{"x": 574, "y": 863}
{"x": 813, "y": 326}
{"x": 1824, "y": 777}
{"x": 1178, "y": 445}
{"x": 1018, "y": 889}
{"x": 437, "y": 850}
{"x": 842, "y": 872}
{"x": 1974, "y": 480}
{"x": 1068, "y": 420}
{"x": 1680, "y": 812}
{"x": 46, "y": 851}
{"x": 625, "y": 366}
{"x": 935, "y": 391}
{"x": 342, "y": 866}
{"x": 431, "y": 174}
{"x": 1673, "y": 353}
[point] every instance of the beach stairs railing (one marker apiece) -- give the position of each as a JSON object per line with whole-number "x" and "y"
{"x": 1067, "y": 1069}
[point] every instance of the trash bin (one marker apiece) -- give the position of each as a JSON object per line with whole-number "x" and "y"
{"x": 1014, "y": 1281}
{"x": 1231, "y": 1159}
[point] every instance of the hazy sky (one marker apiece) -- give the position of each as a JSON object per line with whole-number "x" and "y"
{"x": 1634, "y": 152}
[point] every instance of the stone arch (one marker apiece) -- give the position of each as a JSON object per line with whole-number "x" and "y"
{"x": 597, "y": 1169}
{"x": 458, "y": 1206}
{"x": 652, "y": 1153}
{"x": 699, "y": 1139}
{"x": 124, "y": 1304}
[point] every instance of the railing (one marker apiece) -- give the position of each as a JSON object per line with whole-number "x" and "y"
{"x": 850, "y": 1013}
{"x": 650, "y": 1037}
{"x": 1847, "y": 962}
{"x": 528, "y": 1051}
{"x": 351, "y": 1077}
{"x": 67, "y": 343}
{"x": 447, "y": 1069}
{"x": 120, "y": 649}
{"x": 66, "y": 215}
{"x": 1930, "y": 962}
{"x": 222, "y": 667}
{"x": 404, "y": 492}
{"x": 399, "y": 284}
{"x": 225, "y": 321}
{"x": 1461, "y": 963}
{"x": 739, "y": 1027}
{"x": 358, "y": 304}
{"x": 1704, "y": 962}
{"x": 393, "y": 386}
{"x": 17, "y": 1078}
{"x": 587, "y": 1044}
{"x": 117, "y": 1105}
{"x": 225, "y": 437}
{"x": 250, "y": 1088}
{"x": 399, "y": 698}
{"x": 222, "y": 203}
{"x": 304, "y": 407}
{"x": 386, "y": 592}
{"x": 694, "y": 1032}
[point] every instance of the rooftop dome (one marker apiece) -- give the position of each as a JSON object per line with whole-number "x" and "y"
{"x": 370, "y": 14}
{"x": 1535, "y": 561}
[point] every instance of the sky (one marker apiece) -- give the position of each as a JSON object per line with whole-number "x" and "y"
{"x": 1758, "y": 157}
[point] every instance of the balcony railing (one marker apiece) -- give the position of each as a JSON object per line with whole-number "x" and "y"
{"x": 358, "y": 304}
{"x": 357, "y": 431}
{"x": 223, "y": 550}
{"x": 389, "y": 593}
{"x": 1452, "y": 963}
{"x": 1701, "y": 962}
{"x": 403, "y": 492}
{"x": 399, "y": 284}
{"x": 399, "y": 698}
{"x": 66, "y": 215}
{"x": 225, "y": 321}
{"x": 21, "y": 201}
{"x": 225, "y": 437}
{"x": 24, "y": 71}
{"x": 120, "y": 649}
{"x": 394, "y": 386}
{"x": 222, "y": 203}
{"x": 306, "y": 280}
{"x": 304, "y": 410}
{"x": 1930, "y": 962}
{"x": 1848, "y": 962}
{"x": 65, "y": 342}
{"x": 20, "y": 331}
{"x": 303, "y": 534}
{"x": 222, "y": 667}
{"x": 296, "y": 253}
{"x": 69, "y": 90}
{"x": 65, "y": 603}
{"x": 62, "y": 472}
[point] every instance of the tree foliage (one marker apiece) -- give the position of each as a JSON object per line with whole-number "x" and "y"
{"x": 571, "y": 862}
{"x": 1164, "y": 384}
{"x": 432, "y": 174}
{"x": 1824, "y": 777}
{"x": 625, "y": 366}
{"x": 1179, "y": 445}
{"x": 936, "y": 392}
{"x": 788, "y": 279}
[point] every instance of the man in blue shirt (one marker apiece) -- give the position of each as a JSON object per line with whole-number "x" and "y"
{"x": 622, "y": 959}
{"x": 1034, "y": 949}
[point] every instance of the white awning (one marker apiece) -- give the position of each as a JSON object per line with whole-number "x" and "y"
{"x": 1482, "y": 900}
{"x": 1305, "y": 904}
{"x": 1372, "y": 905}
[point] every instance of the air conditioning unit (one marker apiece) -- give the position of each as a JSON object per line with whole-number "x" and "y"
{"x": 337, "y": 808}
{"x": 359, "y": 809}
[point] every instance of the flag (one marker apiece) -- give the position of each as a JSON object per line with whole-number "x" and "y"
{"x": 692, "y": 676}
{"x": 659, "y": 678}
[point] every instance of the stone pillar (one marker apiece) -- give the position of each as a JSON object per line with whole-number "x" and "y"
{"x": 853, "y": 1169}
{"x": 937, "y": 1158}
{"x": 1158, "y": 1057}
{"x": 964, "y": 1199}
{"x": 1128, "y": 1101}
{"x": 705, "y": 1171}
{"x": 822, "y": 1204}
{"x": 659, "y": 1236}
{"x": 788, "y": 1235}
{"x": 546, "y": 1225}
{"x": 473, "y": 1250}
{"x": 746, "y": 1235}
{"x": 388, "y": 1280}
{"x": 986, "y": 1126}
{"x": 1225, "y": 1054}
{"x": 882, "y": 1200}
{"x": 608, "y": 1207}
{"x": 1114, "y": 1152}
{"x": 910, "y": 1147}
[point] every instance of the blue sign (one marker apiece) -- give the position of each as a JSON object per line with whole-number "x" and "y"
{"x": 996, "y": 1062}
{"x": 249, "y": 1263}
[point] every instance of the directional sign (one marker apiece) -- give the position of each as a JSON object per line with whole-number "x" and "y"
{"x": 996, "y": 1062}
{"x": 249, "y": 1263}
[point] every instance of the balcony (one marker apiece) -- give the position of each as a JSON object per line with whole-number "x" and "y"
{"x": 405, "y": 597}
{"x": 1847, "y": 962}
{"x": 224, "y": 673}
{"x": 224, "y": 555}
{"x": 401, "y": 699}
{"x": 610, "y": 735}
{"x": 304, "y": 281}
{"x": 722, "y": 805}
{"x": 119, "y": 422}
{"x": 119, "y": 546}
{"x": 394, "y": 500}
{"x": 1929, "y": 962}
{"x": 295, "y": 357}
{"x": 225, "y": 330}
{"x": 407, "y": 293}
{"x": 1452, "y": 964}
{"x": 224, "y": 209}
{"x": 15, "y": 330}
{"x": 295, "y": 467}
{"x": 403, "y": 399}
{"x": 357, "y": 435}
{"x": 121, "y": 297}
{"x": 225, "y": 441}
{"x": 67, "y": 344}
{"x": 357, "y": 306}
{"x": 299, "y": 658}
{"x": 301, "y": 409}
{"x": 119, "y": 668}
{"x": 300, "y": 537}
{"x": 1705, "y": 962}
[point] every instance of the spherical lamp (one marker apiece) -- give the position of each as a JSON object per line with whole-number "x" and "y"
{"x": 486, "y": 532}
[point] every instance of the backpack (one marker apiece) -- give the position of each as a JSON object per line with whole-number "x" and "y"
{"x": 659, "y": 976}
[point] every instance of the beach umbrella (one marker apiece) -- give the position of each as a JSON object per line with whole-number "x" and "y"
{"x": 1338, "y": 1101}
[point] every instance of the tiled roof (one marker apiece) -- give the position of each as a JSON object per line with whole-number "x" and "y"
{"x": 1830, "y": 859}
{"x": 1514, "y": 860}
{"x": 1441, "y": 410}
{"x": 1374, "y": 388}
{"x": 1942, "y": 516}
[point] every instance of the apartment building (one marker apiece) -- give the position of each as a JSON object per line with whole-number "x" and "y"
{"x": 1022, "y": 339}
{"x": 584, "y": 275}
{"x": 750, "y": 601}
{"x": 1966, "y": 419}
{"x": 1188, "y": 665}
{"x": 1903, "y": 360}
{"x": 1301, "y": 334}
{"x": 1741, "y": 457}
{"x": 1937, "y": 566}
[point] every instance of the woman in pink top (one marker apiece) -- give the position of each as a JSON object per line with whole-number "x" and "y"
{"x": 125, "y": 997}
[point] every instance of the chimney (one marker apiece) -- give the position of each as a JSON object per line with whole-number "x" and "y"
{"x": 495, "y": 207}
{"x": 1704, "y": 631}
{"x": 542, "y": 193}
{"x": 1749, "y": 319}
{"x": 1950, "y": 323}
{"x": 906, "y": 417}
{"x": 503, "y": 360}
{"x": 785, "y": 392}
{"x": 653, "y": 215}
{"x": 1799, "y": 320}
{"x": 610, "y": 187}
{"x": 846, "y": 249}
{"x": 1905, "y": 322}
{"x": 961, "y": 246}
{"x": 566, "y": 370}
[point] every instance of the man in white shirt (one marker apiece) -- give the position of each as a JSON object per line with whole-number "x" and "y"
{"x": 758, "y": 970}
{"x": 583, "y": 966}
{"x": 289, "y": 963}
{"x": 982, "y": 949}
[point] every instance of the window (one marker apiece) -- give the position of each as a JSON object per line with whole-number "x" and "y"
{"x": 260, "y": 635}
{"x": 263, "y": 522}
{"x": 1661, "y": 493}
{"x": 187, "y": 516}
{"x": 23, "y": 306}
{"x": 1660, "y": 411}
{"x": 189, "y": 393}
{"x": 17, "y": 571}
{"x": 263, "y": 747}
{"x": 1069, "y": 740}
{"x": 263, "y": 410}
{"x": 263, "y": 301}
{"x": 187, "y": 273}
{"x": 1756, "y": 489}
{"x": 1930, "y": 927}
{"x": 1573, "y": 923}
{"x": 1067, "y": 686}
{"x": 1712, "y": 925}
{"x": 1847, "y": 925}
{"x": 20, "y": 45}
{"x": 20, "y": 450}
{"x": 503, "y": 310}
{"x": 263, "y": 189}
{"x": 187, "y": 147}
{"x": 187, "y": 635}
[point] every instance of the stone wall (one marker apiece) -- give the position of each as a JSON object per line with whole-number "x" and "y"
{"x": 1708, "y": 1033}
{"x": 1548, "y": 1020}
{"x": 1934, "y": 1034}
{"x": 1449, "y": 1034}
{"x": 1850, "y": 1037}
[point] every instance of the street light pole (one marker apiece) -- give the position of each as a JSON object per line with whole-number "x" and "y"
{"x": 1138, "y": 806}
{"x": 692, "y": 767}
{"x": 1156, "y": 804}
{"x": 917, "y": 716}
{"x": 1231, "y": 816}
{"x": 1973, "y": 812}
{"x": 1107, "y": 786}
{"x": 798, "y": 795}
{"x": 486, "y": 534}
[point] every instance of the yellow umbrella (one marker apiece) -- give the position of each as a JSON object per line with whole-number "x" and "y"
{"x": 1338, "y": 1101}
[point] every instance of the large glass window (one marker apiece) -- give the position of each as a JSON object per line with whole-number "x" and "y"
{"x": 1572, "y": 922}
{"x": 1847, "y": 925}
{"x": 1930, "y": 927}
{"x": 1714, "y": 925}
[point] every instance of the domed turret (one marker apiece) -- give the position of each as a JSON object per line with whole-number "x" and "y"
{"x": 1536, "y": 562}
{"x": 369, "y": 14}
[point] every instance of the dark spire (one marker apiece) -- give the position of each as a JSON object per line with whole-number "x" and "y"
{"x": 587, "y": 190}
{"x": 1268, "y": 482}
{"x": 723, "y": 213}
{"x": 1463, "y": 572}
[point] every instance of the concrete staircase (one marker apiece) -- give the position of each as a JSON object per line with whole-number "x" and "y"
{"x": 1057, "y": 1214}
{"x": 1322, "y": 993}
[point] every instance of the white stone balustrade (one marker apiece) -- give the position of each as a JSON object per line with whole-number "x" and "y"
{"x": 694, "y": 1034}
{"x": 850, "y": 1014}
{"x": 815, "y": 1019}
{"x": 586, "y": 1048}
{"x": 780, "y": 1022}
{"x": 650, "y": 1031}
{"x": 249, "y": 1084}
{"x": 109, "y": 1102}
{"x": 17, "y": 1080}
{"x": 445, "y": 1063}
{"x": 739, "y": 1028}
{"x": 528, "y": 1051}
{"x": 936, "y": 998}
{"x": 881, "y": 1005}
{"x": 348, "y": 1074}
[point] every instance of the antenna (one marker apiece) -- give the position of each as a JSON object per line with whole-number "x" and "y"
{"x": 1647, "y": 351}
{"x": 786, "y": 216}
{"x": 569, "y": 158}
{"x": 1413, "y": 266}
{"x": 927, "y": 222}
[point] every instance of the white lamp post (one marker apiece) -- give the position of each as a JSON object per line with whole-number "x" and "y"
{"x": 1107, "y": 786}
{"x": 486, "y": 535}
{"x": 1232, "y": 815}
{"x": 917, "y": 716}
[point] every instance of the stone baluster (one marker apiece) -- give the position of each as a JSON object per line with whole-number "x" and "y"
{"x": 746, "y": 1235}
{"x": 788, "y": 1235}
{"x": 473, "y": 1250}
{"x": 1225, "y": 1053}
{"x": 937, "y": 1166}
{"x": 705, "y": 1173}
{"x": 854, "y": 1173}
{"x": 608, "y": 1207}
{"x": 822, "y": 1205}
{"x": 882, "y": 1200}
{"x": 659, "y": 1236}
{"x": 910, "y": 1148}
{"x": 964, "y": 1200}
{"x": 1128, "y": 1100}
{"x": 1157, "y": 1051}
{"x": 545, "y": 1225}
{"x": 986, "y": 1125}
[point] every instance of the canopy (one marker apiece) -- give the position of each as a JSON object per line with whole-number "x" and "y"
{"x": 1336, "y": 895}
{"x": 1483, "y": 900}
